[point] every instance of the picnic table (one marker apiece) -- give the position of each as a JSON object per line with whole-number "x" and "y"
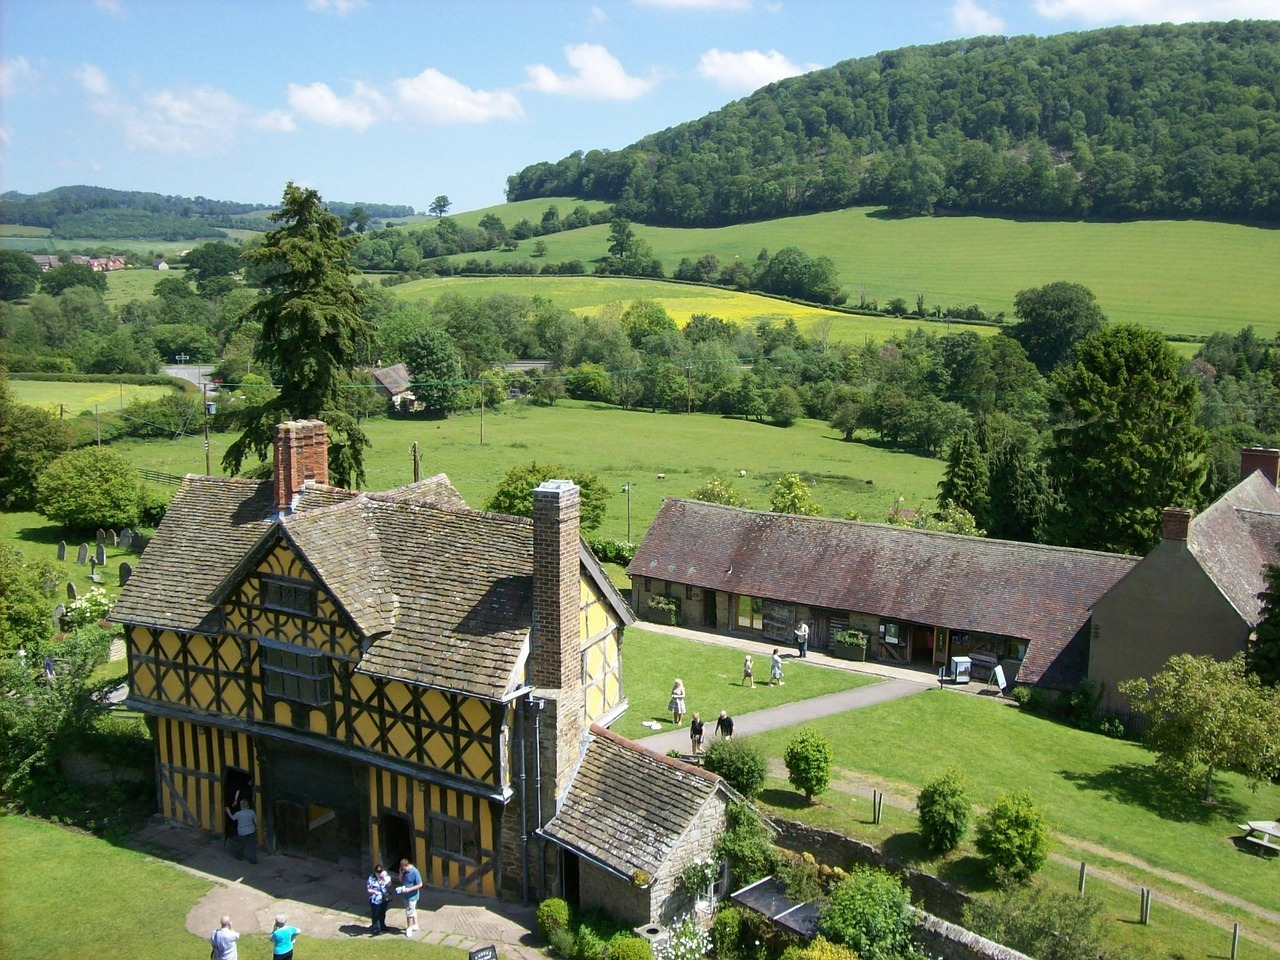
{"x": 1264, "y": 834}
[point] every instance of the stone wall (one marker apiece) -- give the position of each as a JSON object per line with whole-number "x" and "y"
{"x": 697, "y": 843}
{"x": 946, "y": 941}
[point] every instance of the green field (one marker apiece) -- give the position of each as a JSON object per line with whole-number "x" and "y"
{"x": 75, "y": 399}
{"x": 136, "y": 284}
{"x": 1180, "y": 277}
{"x": 17, "y": 230}
{"x": 620, "y": 447}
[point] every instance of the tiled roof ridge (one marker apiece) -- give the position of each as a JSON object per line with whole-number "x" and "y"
{"x": 906, "y": 531}
{"x": 240, "y": 481}
{"x": 313, "y": 513}
{"x": 627, "y": 744}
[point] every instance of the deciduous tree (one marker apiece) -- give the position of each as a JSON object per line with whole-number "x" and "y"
{"x": 808, "y": 760}
{"x": 88, "y": 488}
{"x": 1262, "y": 655}
{"x": 436, "y": 369}
{"x": 1052, "y": 319}
{"x": 72, "y": 275}
{"x": 791, "y": 495}
{"x": 440, "y": 206}
{"x": 720, "y": 491}
{"x": 30, "y": 439}
{"x": 515, "y": 493}
{"x": 19, "y": 275}
{"x": 312, "y": 332}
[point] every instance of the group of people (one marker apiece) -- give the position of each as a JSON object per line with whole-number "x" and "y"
{"x": 224, "y": 940}
{"x": 775, "y": 670}
{"x": 379, "y": 889}
{"x": 724, "y": 725}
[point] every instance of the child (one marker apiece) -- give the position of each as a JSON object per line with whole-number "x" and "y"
{"x": 775, "y": 669}
{"x": 747, "y": 679}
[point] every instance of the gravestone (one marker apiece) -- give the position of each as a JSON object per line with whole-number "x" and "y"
{"x": 102, "y": 536}
{"x": 71, "y": 590}
{"x": 139, "y": 541}
{"x": 82, "y": 555}
{"x": 100, "y": 554}
{"x": 111, "y": 538}
{"x": 126, "y": 571}
{"x": 59, "y": 612}
{"x": 62, "y": 549}
{"x": 126, "y": 538}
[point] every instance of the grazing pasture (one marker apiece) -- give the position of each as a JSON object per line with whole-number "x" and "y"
{"x": 76, "y": 399}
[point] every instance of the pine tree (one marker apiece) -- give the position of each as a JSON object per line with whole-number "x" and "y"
{"x": 1020, "y": 495}
{"x": 1262, "y": 655}
{"x": 966, "y": 481}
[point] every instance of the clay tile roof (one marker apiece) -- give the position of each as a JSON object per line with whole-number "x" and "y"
{"x": 1028, "y": 591}
{"x": 628, "y": 806}
{"x": 208, "y": 527}
{"x": 1235, "y": 538}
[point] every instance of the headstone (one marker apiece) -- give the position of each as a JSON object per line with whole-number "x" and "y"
{"x": 111, "y": 538}
{"x": 126, "y": 571}
{"x": 139, "y": 541}
{"x": 93, "y": 566}
{"x": 100, "y": 554}
{"x": 71, "y": 590}
{"x": 126, "y": 538}
{"x": 82, "y": 555}
{"x": 102, "y": 536}
{"x": 59, "y": 612}
{"x": 62, "y": 549}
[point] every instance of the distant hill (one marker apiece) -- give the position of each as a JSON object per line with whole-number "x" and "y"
{"x": 98, "y": 213}
{"x": 1126, "y": 122}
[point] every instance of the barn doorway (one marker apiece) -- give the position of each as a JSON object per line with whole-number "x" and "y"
{"x": 396, "y": 839}
{"x": 234, "y": 781}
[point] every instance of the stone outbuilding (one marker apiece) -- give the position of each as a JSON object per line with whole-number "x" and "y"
{"x": 632, "y": 821}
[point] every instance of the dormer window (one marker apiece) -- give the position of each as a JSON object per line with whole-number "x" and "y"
{"x": 293, "y": 596}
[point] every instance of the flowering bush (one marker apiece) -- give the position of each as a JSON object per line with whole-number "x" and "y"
{"x": 696, "y": 877}
{"x": 82, "y": 611}
{"x": 688, "y": 941}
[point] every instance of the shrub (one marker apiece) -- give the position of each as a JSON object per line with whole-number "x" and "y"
{"x": 870, "y": 913}
{"x": 823, "y": 949}
{"x": 609, "y": 550}
{"x": 1041, "y": 923}
{"x": 800, "y": 876}
{"x": 697, "y": 877}
{"x": 1013, "y": 837}
{"x": 726, "y": 929}
{"x": 87, "y": 610}
{"x": 808, "y": 759}
{"x": 90, "y": 487}
{"x": 739, "y": 762}
{"x": 628, "y": 947}
{"x": 943, "y": 808}
{"x": 563, "y": 943}
{"x": 1021, "y": 695}
{"x": 552, "y": 915}
{"x": 588, "y": 945}
{"x": 746, "y": 844}
{"x": 665, "y": 610}
{"x": 688, "y": 941}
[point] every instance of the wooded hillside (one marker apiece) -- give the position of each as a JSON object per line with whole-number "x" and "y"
{"x": 1168, "y": 120}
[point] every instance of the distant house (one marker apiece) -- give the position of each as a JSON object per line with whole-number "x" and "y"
{"x": 921, "y": 596}
{"x": 161, "y": 265}
{"x": 1197, "y": 591}
{"x": 46, "y": 262}
{"x": 395, "y": 384}
{"x": 630, "y": 823}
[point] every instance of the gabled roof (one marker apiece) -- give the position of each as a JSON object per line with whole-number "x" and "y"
{"x": 1235, "y": 538}
{"x": 1024, "y": 590}
{"x": 628, "y": 806}
{"x": 394, "y": 379}
{"x": 439, "y": 594}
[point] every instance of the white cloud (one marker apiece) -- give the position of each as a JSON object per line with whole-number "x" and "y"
{"x": 432, "y": 97}
{"x": 596, "y": 16}
{"x": 1157, "y": 11}
{"x": 112, "y": 7}
{"x": 971, "y": 19}
{"x": 14, "y": 71}
{"x": 340, "y": 7}
{"x": 698, "y": 4}
{"x": 93, "y": 80}
{"x": 600, "y": 76}
{"x": 317, "y": 102}
{"x": 748, "y": 70}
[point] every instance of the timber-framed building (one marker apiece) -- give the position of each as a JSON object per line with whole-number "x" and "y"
{"x": 384, "y": 675}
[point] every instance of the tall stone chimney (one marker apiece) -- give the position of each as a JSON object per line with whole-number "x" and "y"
{"x": 1266, "y": 459}
{"x": 555, "y": 659}
{"x": 1176, "y": 522}
{"x": 302, "y": 454}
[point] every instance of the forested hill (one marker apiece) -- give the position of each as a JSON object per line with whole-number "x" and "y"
{"x": 1128, "y": 122}
{"x": 100, "y": 213}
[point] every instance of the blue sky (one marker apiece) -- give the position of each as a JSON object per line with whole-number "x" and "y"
{"x": 394, "y": 101}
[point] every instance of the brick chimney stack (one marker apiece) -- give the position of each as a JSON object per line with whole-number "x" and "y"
{"x": 555, "y": 659}
{"x": 302, "y": 454}
{"x": 1176, "y": 522}
{"x": 1266, "y": 459}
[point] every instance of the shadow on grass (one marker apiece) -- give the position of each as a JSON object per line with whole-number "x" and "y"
{"x": 969, "y": 873}
{"x": 906, "y": 847}
{"x": 785, "y": 799}
{"x": 50, "y": 534}
{"x": 1144, "y": 786}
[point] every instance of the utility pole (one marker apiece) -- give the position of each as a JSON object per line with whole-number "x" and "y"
{"x": 627, "y": 487}
{"x": 482, "y": 413}
{"x": 97, "y": 425}
{"x": 688, "y": 396}
{"x": 417, "y": 463}
{"x": 208, "y": 472}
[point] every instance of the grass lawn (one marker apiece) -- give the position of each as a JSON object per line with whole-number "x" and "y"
{"x": 127, "y": 906}
{"x": 1093, "y": 788}
{"x": 620, "y": 447}
{"x": 38, "y": 538}
{"x": 77, "y": 399}
{"x": 712, "y": 678}
{"x": 139, "y": 283}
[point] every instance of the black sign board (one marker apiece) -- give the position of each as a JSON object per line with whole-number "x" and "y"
{"x": 484, "y": 953}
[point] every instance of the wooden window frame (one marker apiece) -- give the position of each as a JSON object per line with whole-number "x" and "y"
{"x": 290, "y": 596}
{"x": 450, "y": 837}
{"x": 296, "y": 676}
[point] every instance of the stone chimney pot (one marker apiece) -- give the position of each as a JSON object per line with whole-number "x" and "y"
{"x": 1176, "y": 522}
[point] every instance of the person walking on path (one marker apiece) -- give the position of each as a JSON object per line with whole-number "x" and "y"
{"x": 410, "y": 886}
{"x": 802, "y": 639}
{"x": 676, "y": 704}
{"x": 695, "y": 733}
{"x": 378, "y": 887}
{"x": 282, "y": 938}
{"x": 223, "y": 940}
{"x": 246, "y": 829}
{"x": 724, "y": 726}
{"x": 748, "y": 679}
{"x": 775, "y": 669}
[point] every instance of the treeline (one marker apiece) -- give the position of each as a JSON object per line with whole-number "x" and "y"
{"x": 1166, "y": 120}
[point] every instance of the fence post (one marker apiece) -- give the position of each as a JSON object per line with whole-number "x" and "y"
{"x": 1084, "y": 871}
{"x": 1235, "y": 940}
{"x": 1144, "y": 916}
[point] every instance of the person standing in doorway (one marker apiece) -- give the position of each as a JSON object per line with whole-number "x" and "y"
{"x": 802, "y": 639}
{"x": 282, "y": 938}
{"x": 410, "y": 886}
{"x": 724, "y": 726}
{"x": 223, "y": 942}
{"x": 775, "y": 669}
{"x": 378, "y": 887}
{"x": 748, "y": 673}
{"x": 246, "y": 829}
{"x": 695, "y": 733}
{"x": 676, "y": 704}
